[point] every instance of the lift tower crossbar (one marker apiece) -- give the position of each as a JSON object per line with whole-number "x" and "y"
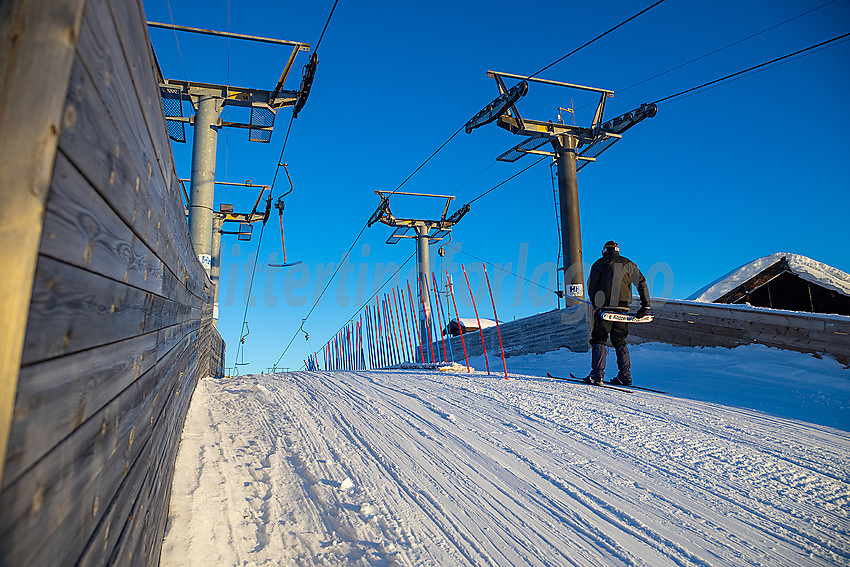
{"x": 420, "y": 229}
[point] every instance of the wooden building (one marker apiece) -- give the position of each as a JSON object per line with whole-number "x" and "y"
{"x": 784, "y": 281}
{"x": 106, "y": 312}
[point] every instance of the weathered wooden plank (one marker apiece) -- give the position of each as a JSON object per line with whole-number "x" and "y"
{"x": 130, "y": 503}
{"x": 101, "y": 51}
{"x": 135, "y": 44}
{"x": 80, "y": 228}
{"x": 98, "y": 145}
{"x": 56, "y": 396}
{"x": 160, "y": 496}
{"x": 36, "y": 52}
{"x": 62, "y": 498}
{"x": 73, "y": 309}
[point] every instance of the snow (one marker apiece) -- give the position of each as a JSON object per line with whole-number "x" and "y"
{"x": 808, "y": 269}
{"x": 744, "y": 462}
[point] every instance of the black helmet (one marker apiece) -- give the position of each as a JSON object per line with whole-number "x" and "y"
{"x": 611, "y": 247}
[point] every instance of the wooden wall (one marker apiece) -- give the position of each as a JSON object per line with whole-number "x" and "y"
{"x": 119, "y": 325}
{"x": 684, "y": 323}
{"x": 564, "y": 328}
{"x": 688, "y": 323}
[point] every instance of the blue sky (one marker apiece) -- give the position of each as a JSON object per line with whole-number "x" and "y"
{"x": 739, "y": 171}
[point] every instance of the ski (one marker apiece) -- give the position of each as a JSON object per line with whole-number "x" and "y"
{"x": 620, "y": 317}
{"x": 636, "y": 388}
{"x": 580, "y": 381}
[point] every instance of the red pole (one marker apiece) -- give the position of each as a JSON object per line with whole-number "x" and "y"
{"x": 368, "y": 338}
{"x": 389, "y": 352}
{"x": 391, "y": 324}
{"x": 459, "y": 327}
{"x": 376, "y": 337}
{"x": 411, "y": 334}
{"x": 427, "y": 326}
{"x": 402, "y": 312}
{"x": 398, "y": 324}
{"x": 381, "y": 358}
{"x": 439, "y": 318}
{"x": 496, "y": 317}
{"x": 480, "y": 332}
{"x": 415, "y": 325}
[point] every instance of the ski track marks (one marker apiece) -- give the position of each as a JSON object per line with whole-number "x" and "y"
{"x": 385, "y": 468}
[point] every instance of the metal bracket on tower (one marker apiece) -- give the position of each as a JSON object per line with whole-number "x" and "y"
{"x": 262, "y": 104}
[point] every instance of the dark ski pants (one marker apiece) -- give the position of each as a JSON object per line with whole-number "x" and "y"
{"x": 599, "y": 333}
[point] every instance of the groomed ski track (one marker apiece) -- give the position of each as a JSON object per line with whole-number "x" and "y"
{"x": 423, "y": 468}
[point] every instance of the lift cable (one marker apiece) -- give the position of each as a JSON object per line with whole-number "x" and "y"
{"x": 359, "y": 309}
{"x": 177, "y": 41}
{"x": 498, "y": 267}
{"x": 753, "y": 68}
{"x": 326, "y": 26}
{"x": 598, "y": 37}
{"x": 271, "y": 190}
{"x": 718, "y": 50}
{"x": 443, "y": 145}
{"x": 670, "y": 98}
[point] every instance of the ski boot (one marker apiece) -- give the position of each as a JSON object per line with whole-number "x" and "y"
{"x": 622, "y": 381}
{"x": 593, "y": 380}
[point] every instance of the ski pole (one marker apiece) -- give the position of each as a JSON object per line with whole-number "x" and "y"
{"x": 480, "y": 331}
{"x": 459, "y": 326}
{"x": 496, "y": 317}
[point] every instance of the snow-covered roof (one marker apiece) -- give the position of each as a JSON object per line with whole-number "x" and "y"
{"x": 804, "y": 267}
{"x": 473, "y": 323}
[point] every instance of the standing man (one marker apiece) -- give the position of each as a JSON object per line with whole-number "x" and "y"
{"x": 610, "y": 287}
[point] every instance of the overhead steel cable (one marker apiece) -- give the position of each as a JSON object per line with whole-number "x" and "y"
{"x": 359, "y": 309}
{"x": 324, "y": 29}
{"x": 260, "y": 238}
{"x": 598, "y": 37}
{"x": 727, "y": 46}
{"x": 753, "y": 68}
{"x": 784, "y": 58}
{"x": 450, "y": 138}
{"x": 271, "y": 189}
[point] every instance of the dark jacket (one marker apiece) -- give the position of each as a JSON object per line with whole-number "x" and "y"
{"x": 611, "y": 279}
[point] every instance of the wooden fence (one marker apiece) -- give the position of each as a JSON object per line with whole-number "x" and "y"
{"x": 684, "y": 323}
{"x": 119, "y": 322}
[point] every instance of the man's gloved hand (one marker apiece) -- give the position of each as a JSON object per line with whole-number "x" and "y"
{"x": 642, "y": 312}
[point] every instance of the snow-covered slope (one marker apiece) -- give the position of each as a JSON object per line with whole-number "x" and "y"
{"x": 806, "y": 268}
{"x": 419, "y": 468}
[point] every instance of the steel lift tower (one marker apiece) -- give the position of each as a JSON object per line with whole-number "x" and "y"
{"x": 207, "y": 101}
{"x": 422, "y": 232}
{"x": 573, "y": 147}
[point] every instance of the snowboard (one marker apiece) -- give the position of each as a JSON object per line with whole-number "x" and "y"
{"x": 621, "y": 317}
